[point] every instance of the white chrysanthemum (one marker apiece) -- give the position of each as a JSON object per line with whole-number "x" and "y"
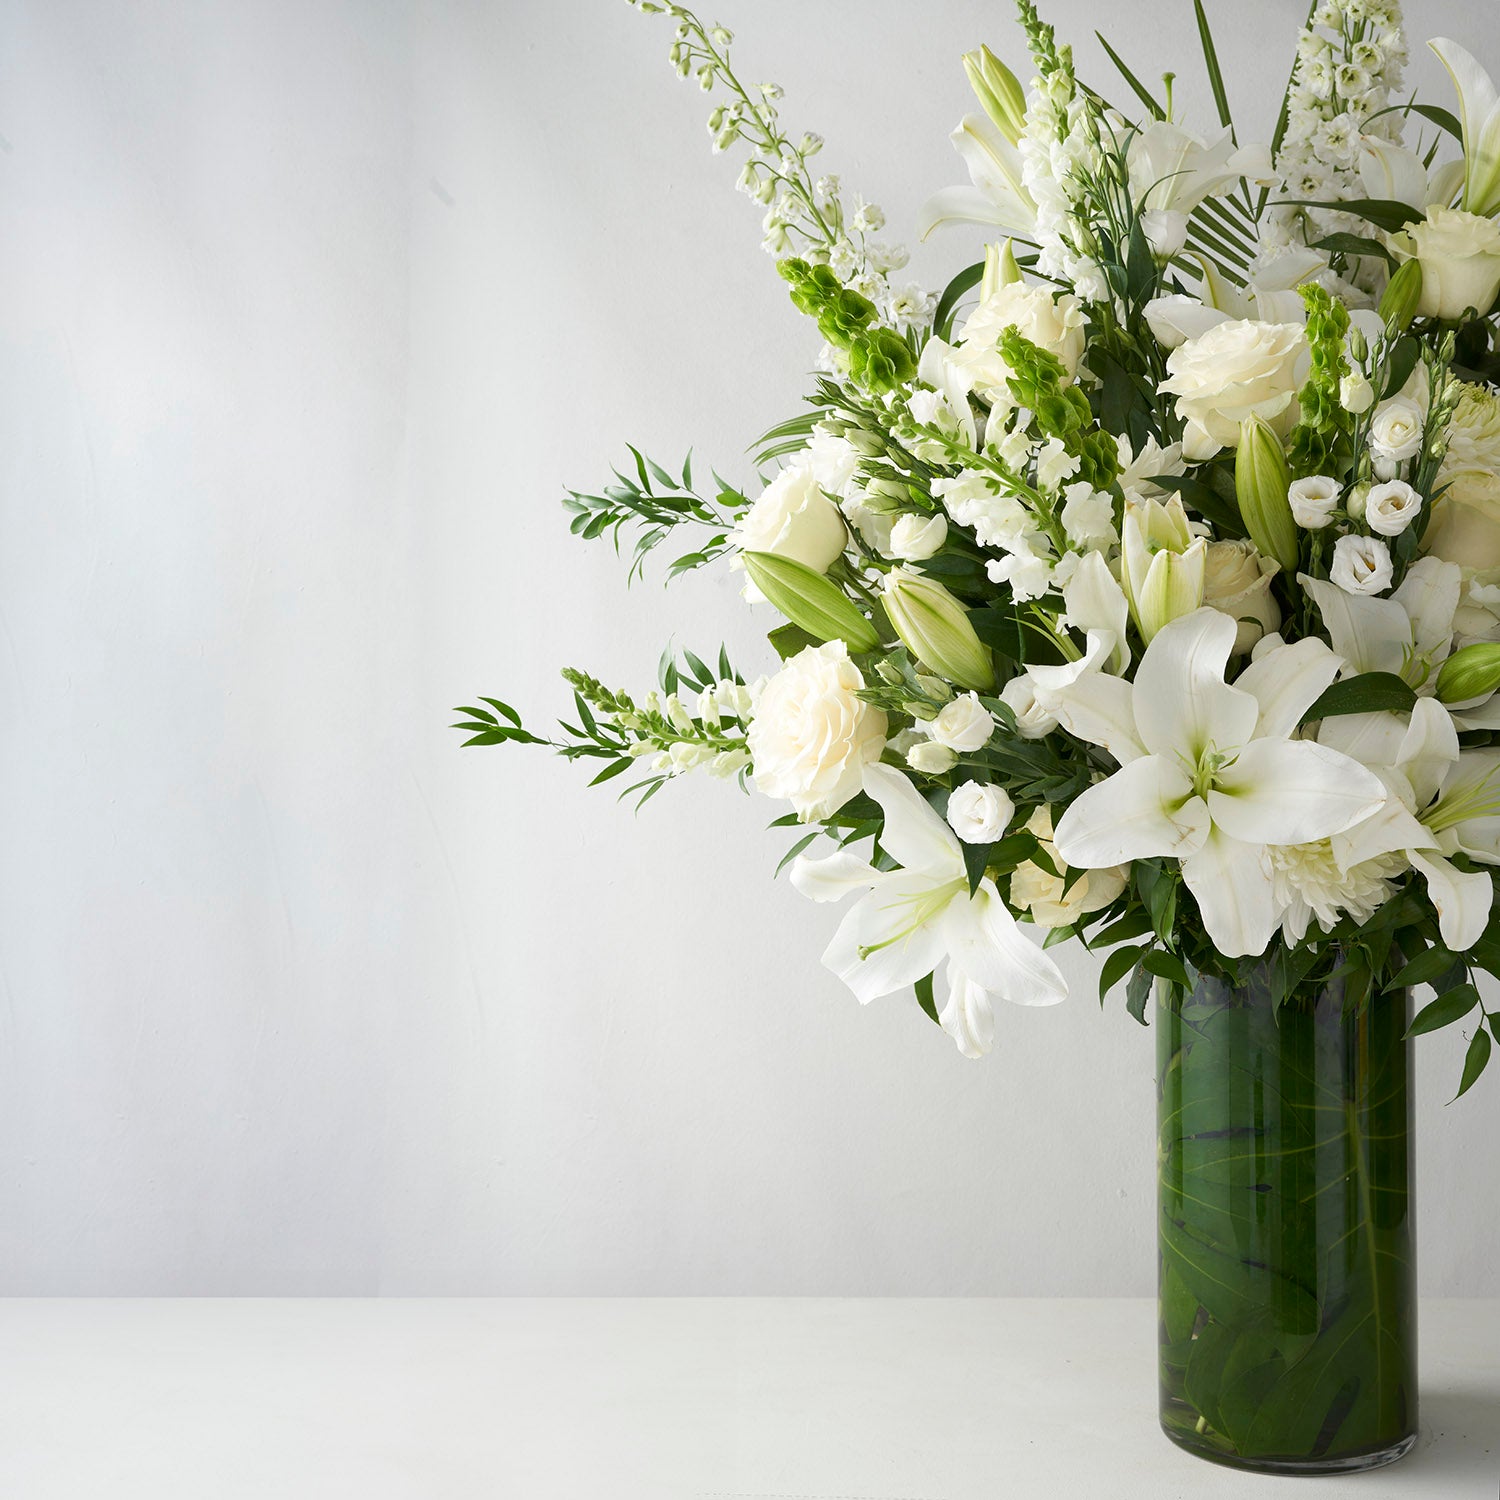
{"x": 1309, "y": 881}
{"x": 1474, "y": 433}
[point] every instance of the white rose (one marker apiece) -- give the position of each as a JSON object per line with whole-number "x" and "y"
{"x": 1237, "y": 582}
{"x": 1314, "y": 500}
{"x": 1033, "y": 722}
{"x": 1361, "y": 565}
{"x": 979, "y": 814}
{"x": 1396, "y": 430}
{"x": 1465, "y": 524}
{"x": 1460, "y": 258}
{"x": 916, "y": 538}
{"x": 1236, "y": 370}
{"x": 1051, "y": 323}
{"x": 931, "y": 758}
{"x": 964, "y": 725}
{"x": 793, "y": 518}
{"x": 1391, "y": 507}
{"x": 1041, "y": 893}
{"x": 811, "y": 737}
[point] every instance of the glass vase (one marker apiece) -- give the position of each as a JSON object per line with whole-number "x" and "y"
{"x": 1287, "y": 1273}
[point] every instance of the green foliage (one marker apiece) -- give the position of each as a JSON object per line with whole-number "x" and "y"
{"x": 657, "y": 503}
{"x": 1315, "y": 446}
{"x": 1061, "y": 410}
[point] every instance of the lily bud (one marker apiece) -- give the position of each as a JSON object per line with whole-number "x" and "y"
{"x": 1000, "y": 269}
{"x": 1471, "y": 672}
{"x": 808, "y": 599}
{"x": 935, "y": 628}
{"x": 1163, "y": 565}
{"x": 1261, "y": 482}
{"x": 1402, "y": 294}
{"x": 999, "y": 92}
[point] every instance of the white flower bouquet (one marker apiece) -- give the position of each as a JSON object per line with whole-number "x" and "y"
{"x": 1142, "y": 588}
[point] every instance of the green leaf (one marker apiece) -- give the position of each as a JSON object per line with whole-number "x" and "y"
{"x": 1355, "y": 244}
{"x": 1424, "y": 968}
{"x": 504, "y": 709}
{"x": 1167, "y": 966}
{"x": 966, "y": 280}
{"x": 923, "y": 988}
{"x": 1444, "y": 119}
{"x": 1137, "y": 87}
{"x": 1211, "y": 62}
{"x": 1402, "y": 362}
{"x": 619, "y": 768}
{"x": 1445, "y": 1010}
{"x": 795, "y": 850}
{"x": 1370, "y": 692}
{"x": 1138, "y": 993}
{"x": 1119, "y": 963}
{"x": 976, "y": 857}
{"x": 1135, "y": 923}
{"x": 1474, "y": 1061}
{"x": 788, "y": 640}
{"x": 1384, "y": 213}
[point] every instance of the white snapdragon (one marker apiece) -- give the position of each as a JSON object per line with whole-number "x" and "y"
{"x": 1314, "y": 500}
{"x": 1361, "y": 565}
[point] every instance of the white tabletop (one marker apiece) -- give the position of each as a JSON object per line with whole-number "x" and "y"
{"x": 661, "y": 1400}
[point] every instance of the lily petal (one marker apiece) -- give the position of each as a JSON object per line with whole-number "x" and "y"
{"x": 880, "y": 947}
{"x": 967, "y": 1015}
{"x": 1286, "y": 682}
{"x": 914, "y": 836}
{"x": 1462, "y": 900}
{"x": 1146, "y": 810}
{"x": 1429, "y": 749}
{"x": 1372, "y": 635}
{"x": 833, "y": 878}
{"x": 985, "y": 944}
{"x": 1182, "y": 703}
{"x": 1371, "y": 739}
{"x": 1429, "y": 595}
{"x": 1291, "y": 792}
{"x": 1231, "y": 882}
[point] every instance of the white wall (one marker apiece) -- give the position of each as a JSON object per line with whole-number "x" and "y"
{"x": 310, "y": 312}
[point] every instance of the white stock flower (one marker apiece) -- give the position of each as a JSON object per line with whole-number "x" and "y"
{"x": 964, "y": 725}
{"x": 1209, "y": 774}
{"x": 916, "y": 918}
{"x": 1033, "y": 721}
{"x": 1237, "y": 583}
{"x": 1236, "y": 370}
{"x": 1042, "y": 893}
{"x": 1361, "y": 564}
{"x": 792, "y": 517}
{"x": 812, "y": 737}
{"x": 1391, "y": 507}
{"x": 916, "y": 538}
{"x": 978, "y": 813}
{"x": 1314, "y": 500}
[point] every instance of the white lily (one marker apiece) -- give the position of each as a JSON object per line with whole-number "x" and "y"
{"x": 1209, "y": 772}
{"x": 1172, "y": 171}
{"x": 1391, "y": 172}
{"x": 997, "y": 195}
{"x": 1451, "y": 803}
{"x": 1479, "y": 117}
{"x": 922, "y": 915}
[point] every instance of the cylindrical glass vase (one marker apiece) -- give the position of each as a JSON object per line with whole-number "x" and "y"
{"x": 1287, "y": 1277}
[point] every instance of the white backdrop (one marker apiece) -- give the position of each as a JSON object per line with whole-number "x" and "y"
{"x": 310, "y": 311}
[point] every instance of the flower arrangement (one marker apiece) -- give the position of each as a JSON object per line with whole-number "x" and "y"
{"x": 1142, "y": 588}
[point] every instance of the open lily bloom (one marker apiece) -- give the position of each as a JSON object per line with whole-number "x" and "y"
{"x": 1209, "y": 772}
{"x": 1479, "y": 116}
{"x": 921, "y": 916}
{"x": 997, "y": 196}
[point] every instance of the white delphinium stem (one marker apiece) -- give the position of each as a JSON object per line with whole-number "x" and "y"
{"x": 1349, "y": 66}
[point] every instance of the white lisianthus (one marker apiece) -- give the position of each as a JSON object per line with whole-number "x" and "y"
{"x": 916, "y": 538}
{"x": 1460, "y": 258}
{"x": 1314, "y": 500}
{"x": 1391, "y": 507}
{"x": 792, "y": 517}
{"x": 1237, "y": 583}
{"x": 979, "y": 814}
{"x": 1033, "y": 722}
{"x": 1465, "y": 524}
{"x": 812, "y": 737}
{"x": 1053, "y": 323}
{"x": 931, "y": 758}
{"x": 1040, "y": 892}
{"x": 1356, "y": 394}
{"x": 1395, "y": 433}
{"x": 1361, "y": 565}
{"x": 963, "y": 725}
{"x": 1236, "y": 370}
